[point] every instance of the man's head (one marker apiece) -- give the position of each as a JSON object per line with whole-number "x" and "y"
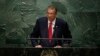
{"x": 51, "y": 12}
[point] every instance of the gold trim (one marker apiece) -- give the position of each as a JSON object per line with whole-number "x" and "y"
{"x": 49, "y": 52}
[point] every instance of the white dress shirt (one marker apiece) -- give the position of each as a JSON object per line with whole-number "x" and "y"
{"x": 53, "y": 24}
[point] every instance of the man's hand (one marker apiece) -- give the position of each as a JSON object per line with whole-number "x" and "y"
{"x": 58, "y": 46}
{"x": 38, "y": 46}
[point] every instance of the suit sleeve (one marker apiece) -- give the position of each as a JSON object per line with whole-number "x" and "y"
{"x": 35, "y": 34}
{"x": 66, "y": 34}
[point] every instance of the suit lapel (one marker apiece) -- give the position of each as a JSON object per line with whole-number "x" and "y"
{"x": 44, "y": 30}
{"x": 55, "y": 28}
{"x": 46, "y": 27}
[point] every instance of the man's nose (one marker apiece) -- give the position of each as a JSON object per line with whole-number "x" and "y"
{"x": 50, "y": 15}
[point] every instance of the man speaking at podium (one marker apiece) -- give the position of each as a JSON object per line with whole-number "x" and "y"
{"x": 50, "y": 27}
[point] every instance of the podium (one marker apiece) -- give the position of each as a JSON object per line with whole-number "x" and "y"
{"x": 47, "y": 51}
{"x": 62, "y": 39}
{"x": 70, "y": 51}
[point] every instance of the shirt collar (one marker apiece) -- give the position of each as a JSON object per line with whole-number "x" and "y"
{"x": 53, "y": 22}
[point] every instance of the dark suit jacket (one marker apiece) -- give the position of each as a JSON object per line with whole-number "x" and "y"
{"x": 41, "y": 30}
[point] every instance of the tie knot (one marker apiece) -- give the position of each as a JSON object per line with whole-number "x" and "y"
{"x": 50, "y": 22}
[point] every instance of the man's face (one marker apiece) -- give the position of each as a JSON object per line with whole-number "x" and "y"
{"x": 51, "y": 14}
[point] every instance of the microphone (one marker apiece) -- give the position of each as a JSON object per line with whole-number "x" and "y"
{"x": 55, "y": 34}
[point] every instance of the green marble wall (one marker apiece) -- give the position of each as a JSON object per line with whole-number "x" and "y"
{"x": 17, "y": 18}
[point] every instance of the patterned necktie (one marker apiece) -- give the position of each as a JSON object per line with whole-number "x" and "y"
{"x": 50, "y": 31}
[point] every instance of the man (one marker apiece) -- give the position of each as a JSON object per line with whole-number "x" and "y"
{"x": 50, "y": 27}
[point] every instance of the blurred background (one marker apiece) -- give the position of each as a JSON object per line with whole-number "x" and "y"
{"x": 17, "y": 19}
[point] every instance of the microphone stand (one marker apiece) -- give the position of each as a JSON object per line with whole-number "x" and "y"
{"x": 55, "y": 34}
